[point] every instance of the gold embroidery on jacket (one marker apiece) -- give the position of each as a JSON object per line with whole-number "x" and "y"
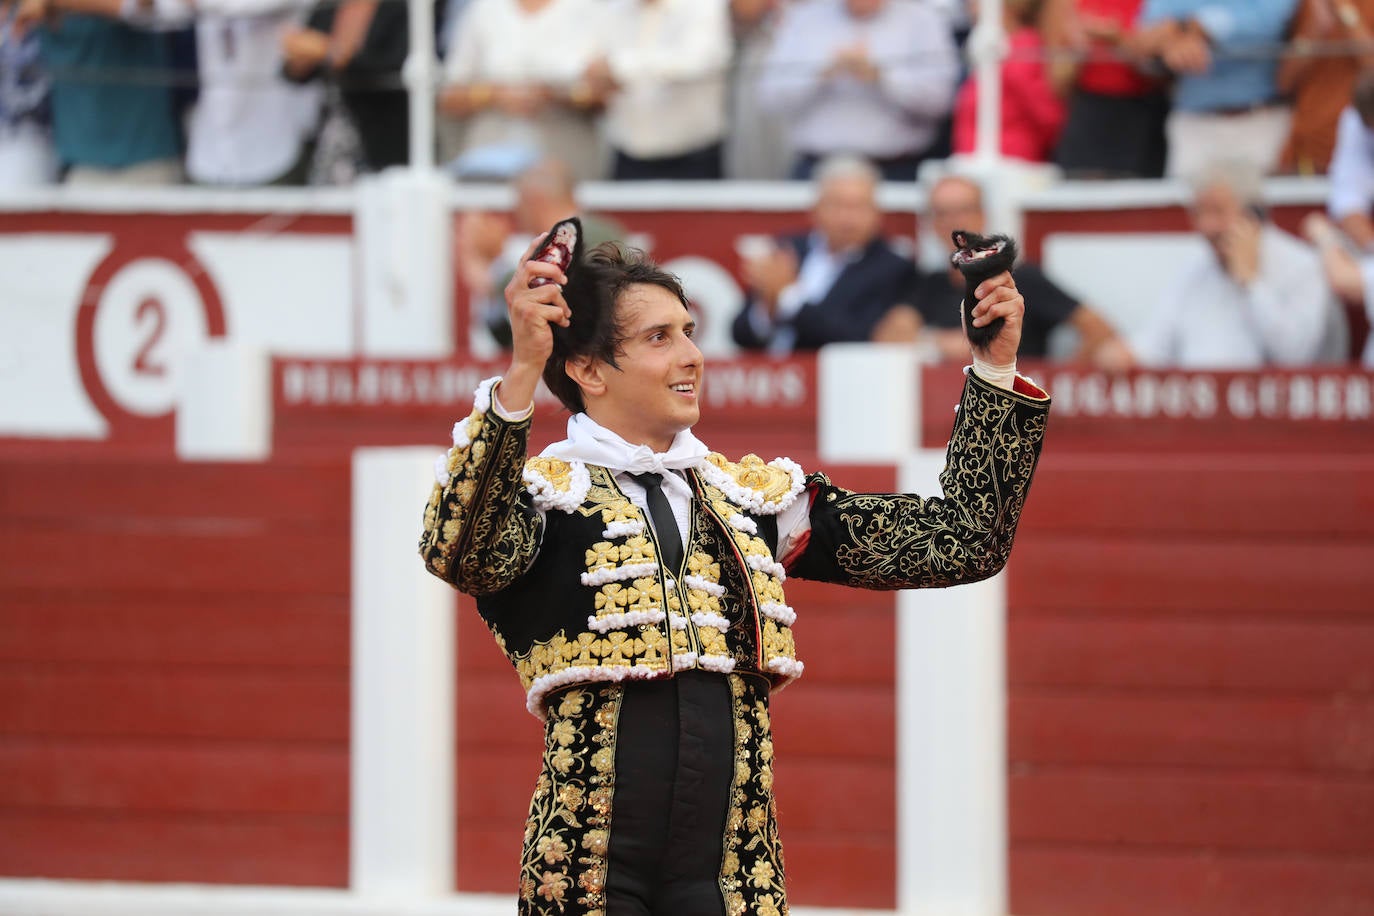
{"x": 906, "y": 541}
{"x": 481, "y": 541}
{"x": 779, "y": 649}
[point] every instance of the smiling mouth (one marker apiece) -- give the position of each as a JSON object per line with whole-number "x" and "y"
{"x": 685, "y": 388}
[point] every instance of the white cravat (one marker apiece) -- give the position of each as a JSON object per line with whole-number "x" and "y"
{"x": 592, "y": 443}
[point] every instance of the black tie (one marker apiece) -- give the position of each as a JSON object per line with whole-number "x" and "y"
{"x": 665, "y": 525}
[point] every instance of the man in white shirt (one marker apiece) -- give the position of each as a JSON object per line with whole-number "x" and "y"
{"x": 635, "y": 581}
{"x": 663, "y": 72}
{"x": 870, "y": 77}
{"x": 1256, "y": 299}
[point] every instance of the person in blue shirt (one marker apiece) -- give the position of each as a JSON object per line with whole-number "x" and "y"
{"x": 1223, "y": 55}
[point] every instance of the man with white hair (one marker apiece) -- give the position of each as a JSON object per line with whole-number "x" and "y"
{"x": 1257, "y": 298}
{"x": 831, "y": 284}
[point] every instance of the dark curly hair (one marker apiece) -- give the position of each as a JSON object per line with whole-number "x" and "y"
{"x": 592, "y": 293}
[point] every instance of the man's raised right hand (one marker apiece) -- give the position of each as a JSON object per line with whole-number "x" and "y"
{"x": 533, "y": 312}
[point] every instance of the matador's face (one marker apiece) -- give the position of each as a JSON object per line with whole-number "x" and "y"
{"x": 653, "y": 391}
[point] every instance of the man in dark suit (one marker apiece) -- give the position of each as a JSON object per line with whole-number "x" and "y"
{"x": 832, "y": 284}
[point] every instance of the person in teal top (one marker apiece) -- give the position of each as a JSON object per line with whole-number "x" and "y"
{"x": 111, "y": 101}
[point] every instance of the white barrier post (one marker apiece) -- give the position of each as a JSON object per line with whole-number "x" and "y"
{"x": 401, "y": 831}
{"x": 951, "y": 719}
{"x": 951, "y": 738}
{"x": 869, "y": 404}
{"x": 403, "y": 228}
{"x": 419, "y": 73}
{"x": 987, "y": 46}
{"x": 224, "y": 406}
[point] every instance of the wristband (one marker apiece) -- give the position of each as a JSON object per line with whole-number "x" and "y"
{"x": 1001, "y": 376}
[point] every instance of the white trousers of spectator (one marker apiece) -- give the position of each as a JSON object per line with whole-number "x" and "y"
{"x": 26, "y": 156}
{"x": 151, "y": 173}
{"x": 1197, "y": 139}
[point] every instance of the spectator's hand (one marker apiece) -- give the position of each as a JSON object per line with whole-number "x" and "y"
{"x": 853, "y": 60}
{"x": 599, "y": 79}
{"x": 899, "y": 324}
{"x": 769, "y": 274}
{"x": 1341, "y": 267}
{"x": 533, "y": 313}
{"x": 1113, "y": 356}
{"x": 951, "y": 344}
{"x": 29, "y": 14}
{"x": 998, "y": 297}
{"x": 1344, "y": 275}
{"x": 748, "y": 13}
{"x": 1319, "y": 230}
{"x": 1188, "y": 52}
{"x": 521, "y": 101}
{"x": 1322, "y": 19}
{"x": 1239, "y": 246}
{"x": 303, "y": 50}
{"x": 462, "y": 99}
{"x": 1103, "y": 29}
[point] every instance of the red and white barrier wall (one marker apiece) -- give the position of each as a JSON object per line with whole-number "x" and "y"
{"x": 233, "y": 674}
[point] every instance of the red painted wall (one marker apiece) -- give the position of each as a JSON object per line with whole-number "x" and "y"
{"x": 1190, "y": 642}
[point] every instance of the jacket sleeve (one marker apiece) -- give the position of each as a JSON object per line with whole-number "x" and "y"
{"x": 890, "y": 541}
{"x": 481, "y": 529}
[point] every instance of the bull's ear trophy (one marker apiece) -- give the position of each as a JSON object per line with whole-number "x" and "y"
{"x": 562, "y": 247}
{"x": 979, "y": 257}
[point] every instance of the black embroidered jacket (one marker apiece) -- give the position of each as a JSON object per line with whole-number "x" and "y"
{"x": 566, "y": 570}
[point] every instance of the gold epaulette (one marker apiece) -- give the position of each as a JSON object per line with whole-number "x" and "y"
{"x": 765, "y": 488}
{"x": 555, "y": 483}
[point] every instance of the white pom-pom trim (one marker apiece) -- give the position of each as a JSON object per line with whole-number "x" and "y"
{"x": 779, "y": 612}
{"x": 441, "y": 473}
{"x": 620, "y": 621}
{"x": 749, "y": 498}
{"x": 618, "y": 573}
{"x": 547, "y": 497}
{"x": 707, "y": 619}
{"x": 767, "y": 565}
{"x": 462, "y": 433}
{"x": 743, "y": 523}
{"x": 581, "y": 674}
{"x": 714, "y": 589}
{"x": 787, "y": 667}
{"x": 677, "y": 621}
{"x": 628, "y": 528}
{"x": 684, "y": 660}
{"x": 723, "y": 664}
{"x": 481, "y": 398}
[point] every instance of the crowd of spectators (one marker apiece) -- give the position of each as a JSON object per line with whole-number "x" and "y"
{"x": 256, "y": 92}
{"x": 546, "y": 93}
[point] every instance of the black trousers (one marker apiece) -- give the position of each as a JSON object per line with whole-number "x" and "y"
{"x": 674, "y": 763}
{"x": 698, "y": 165}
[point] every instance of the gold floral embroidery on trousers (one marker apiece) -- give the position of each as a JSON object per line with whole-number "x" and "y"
{"x": 567, "y": 834}
{"x": 751, "y": 873}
